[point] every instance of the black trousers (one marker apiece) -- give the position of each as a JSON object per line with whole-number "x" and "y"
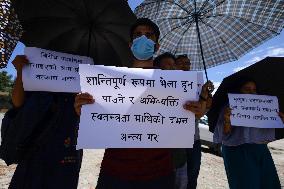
{"x": 109, "y": 182}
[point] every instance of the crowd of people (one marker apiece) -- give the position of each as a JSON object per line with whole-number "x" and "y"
{"x": 56, "y": 163}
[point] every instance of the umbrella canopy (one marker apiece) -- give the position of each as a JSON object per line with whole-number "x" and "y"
{"x": 99, "y": 29}
{"x": 213, "y": 32}
{"x": 268, "y": 75}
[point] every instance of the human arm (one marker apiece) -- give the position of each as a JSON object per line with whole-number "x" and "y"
{"x": 281, "y": 115}
{"x": 18, "y": 93}
{"x": 205, "y": 97}
{"x": 82, "y": 99}
{"x": 195, "y": 107}
{"x": 227, "y": 121}
{"x": 200, "y": 107}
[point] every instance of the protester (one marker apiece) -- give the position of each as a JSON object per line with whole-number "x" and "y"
{"x": 193, "y": 155}
{"x": 183, "y": 63}
{"x": 247, "y": 159}
{"x": 135, "y": 168}
{"x": 55, "y": 162}
{"x": 181, "y": 156}
{"x": 165, "y": 61}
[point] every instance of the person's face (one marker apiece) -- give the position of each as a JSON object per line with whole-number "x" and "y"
{"x": 248, "y": 88}
{"x": 150, "y": 34}
{"x": 183, "y": 63}
{"x": 145, "y": 30}
{"x": 167, "y": 64}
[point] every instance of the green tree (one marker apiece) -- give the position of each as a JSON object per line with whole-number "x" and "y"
{"x": 6, "y": 85}
{"x": 6, "y": 82}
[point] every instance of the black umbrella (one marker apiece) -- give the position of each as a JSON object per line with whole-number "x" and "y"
{"x": 267, "y": 73}
{"x": 99, "y": 29}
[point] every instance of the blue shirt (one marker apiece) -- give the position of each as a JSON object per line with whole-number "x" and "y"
{"x": 241, "y": 135}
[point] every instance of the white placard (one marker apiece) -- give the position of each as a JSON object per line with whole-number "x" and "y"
{"x": 200, "y": 83}
{"x": 52, "y": 71}
{"x": 136, "y": 108}
{"x": 259, "y": 111}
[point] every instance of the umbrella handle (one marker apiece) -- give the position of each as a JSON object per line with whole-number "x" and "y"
{"x": 200, "y": 43}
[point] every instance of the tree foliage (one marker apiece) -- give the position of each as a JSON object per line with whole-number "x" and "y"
{"x": 6, "y": 85}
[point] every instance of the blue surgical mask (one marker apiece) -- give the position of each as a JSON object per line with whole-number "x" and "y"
{"x": 143, "y": 48}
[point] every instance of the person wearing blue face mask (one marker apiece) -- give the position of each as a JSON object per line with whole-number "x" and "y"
{"x": 144, "y": 36}
{"x": 135, "y": 168}
{"x": 143, "y": 48}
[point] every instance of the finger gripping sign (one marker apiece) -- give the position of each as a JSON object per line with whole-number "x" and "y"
{"x": 136, "y": 108}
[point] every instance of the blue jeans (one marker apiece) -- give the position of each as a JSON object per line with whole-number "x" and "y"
{"x": 193, "y": 164}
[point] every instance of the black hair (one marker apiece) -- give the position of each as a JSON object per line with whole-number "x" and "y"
{"x": 145, "y": 22}
{"x": 158, "y": 59}
{"x": 239, "y": 83}
{"x": 182, "y": 56}
{"x": 217, "y": 104}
